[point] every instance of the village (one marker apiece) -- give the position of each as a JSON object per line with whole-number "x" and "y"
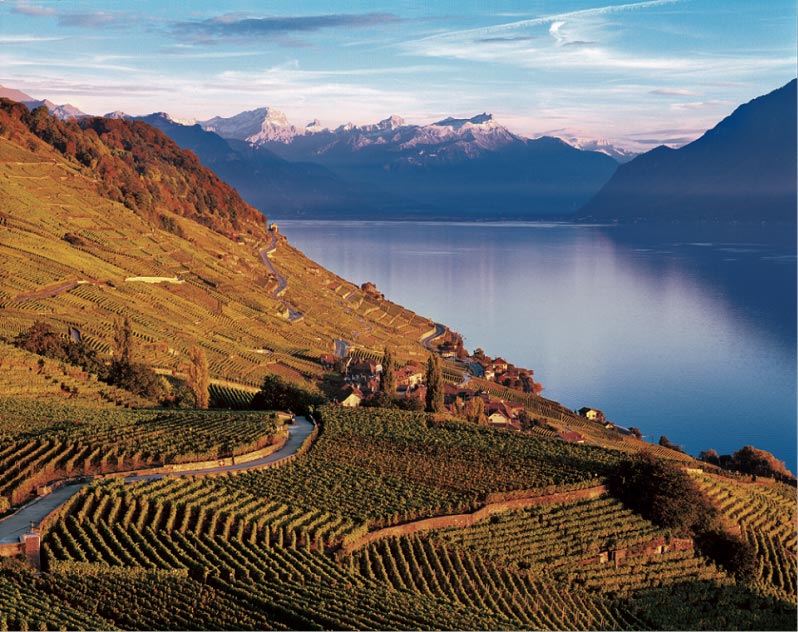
{"x": 362, "y": 379}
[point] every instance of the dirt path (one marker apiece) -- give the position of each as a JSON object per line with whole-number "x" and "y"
{"x": 19, "y": 523}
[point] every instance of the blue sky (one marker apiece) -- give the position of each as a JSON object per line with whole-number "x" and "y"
{"x": 637, "y": 73}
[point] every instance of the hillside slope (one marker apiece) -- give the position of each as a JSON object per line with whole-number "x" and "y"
{"x": 742, "y": 169}
{"x": 96, "y": 224}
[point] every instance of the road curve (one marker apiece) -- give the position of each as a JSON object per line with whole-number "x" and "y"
{"x": 439, "y": 331}
{"x": 19, "y": 523}
{"x": 282, "y": 284}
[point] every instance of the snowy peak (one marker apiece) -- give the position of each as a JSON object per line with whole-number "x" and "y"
{"x": 255, "y": 127}
{"x": 117, "y": 114}
{"x": 314, "y": 126}
{"x": 587, "y": 141}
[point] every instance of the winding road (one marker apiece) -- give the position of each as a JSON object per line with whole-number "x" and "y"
{"x": 19, "y": 523}
{"x": 282, "y": 284}
{"x": 439, "y": 331}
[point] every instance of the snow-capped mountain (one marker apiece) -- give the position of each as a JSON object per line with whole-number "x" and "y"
{"x": 255, "y": 127}
{"x": 587, "y": 141}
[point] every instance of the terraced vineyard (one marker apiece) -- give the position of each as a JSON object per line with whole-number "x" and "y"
{"x": 550, "y": 537}
{"x": 41, "y": 441}
{"x": 222, "y": 299}
{"x": 385, "y": 466}
{"x": 201, "y": 506}
{"x": 766, "y": 517}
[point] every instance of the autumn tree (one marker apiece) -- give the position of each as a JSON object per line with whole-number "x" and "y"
{"x": 388, "y": 377}
{"x": 709, "y": 456}
{"x": 751, "y": 460}
{"x": 198, "y": 378}
{"x": 475, "y": 411}
{"x": 434, "y": 397}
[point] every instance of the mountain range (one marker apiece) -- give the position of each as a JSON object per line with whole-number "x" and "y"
{"x": 475, "y": 168}
{"x": 742, "y": 169}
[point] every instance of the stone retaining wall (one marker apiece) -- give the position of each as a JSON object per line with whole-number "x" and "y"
{"x": 469, "y": 519}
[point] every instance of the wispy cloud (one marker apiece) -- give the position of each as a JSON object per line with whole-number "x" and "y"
{"x": 24, "y": 8}
{"x": 95, "y": 20}
{"x": 557, "y": 17}
{"x": 23, "y": 39}
{"x": 235, "y": 27}
{"x": 700, "y": 105}
{"x": 673, "y": 92}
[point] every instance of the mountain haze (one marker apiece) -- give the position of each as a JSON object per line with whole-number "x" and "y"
{"x": 744, "y": 168}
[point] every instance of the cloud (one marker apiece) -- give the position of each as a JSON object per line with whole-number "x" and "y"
{"x": 498, "y": 40}
{"x": 700, "y": 105}
{"x": 673, "y": 92}
{"x": 237, "y": 27}
{"x": 96, "y": 20}
{"x": 558, "y": 17}
{"x": 23, "y": 8}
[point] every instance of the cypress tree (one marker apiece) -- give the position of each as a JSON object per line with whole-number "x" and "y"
{"x": 198, "y": 378}
{"x": 434, "y": 397}
{"x": 388, "y": 378}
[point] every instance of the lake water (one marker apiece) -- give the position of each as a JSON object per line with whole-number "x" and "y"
{"x": 683, "y": 332}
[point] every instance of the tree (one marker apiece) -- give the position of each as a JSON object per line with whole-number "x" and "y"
{"x": 277, "y": 394}
{"x": 434, "y": 397}
{"x": 751, "y": 460}
{"x": 123, "y": 339}
{"x": 662, "y": 492}
{"x": 475, "y": 411}
{"x": 709, "y": 456}
{"x": 636, "y": 432}
{"x": 666, "y": 443}
{"x": 198, "y": 379}
{"x": 388, "y": 377}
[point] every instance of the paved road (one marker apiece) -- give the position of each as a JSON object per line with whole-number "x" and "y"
{"x": 297, "y": 433}
{"x": 12, "y": 527}
{"x": 439, "y": 331}
{"x": 293, "y": 314}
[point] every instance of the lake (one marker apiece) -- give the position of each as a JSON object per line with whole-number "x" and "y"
{"x": 688, "y": 332}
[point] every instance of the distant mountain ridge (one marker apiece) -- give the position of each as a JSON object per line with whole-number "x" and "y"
{"x": 64, "y": 112}
{"x": 743, "y": 169}
{"x": 455, "y": 168}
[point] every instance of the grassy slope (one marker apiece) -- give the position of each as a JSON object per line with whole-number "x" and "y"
{"x": 226, "y": 303}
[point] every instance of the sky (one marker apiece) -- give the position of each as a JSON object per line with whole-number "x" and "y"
{"x": 638, "y": 73}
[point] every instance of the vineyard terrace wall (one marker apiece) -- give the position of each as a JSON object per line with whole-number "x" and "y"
{"x": 464, "y": 520}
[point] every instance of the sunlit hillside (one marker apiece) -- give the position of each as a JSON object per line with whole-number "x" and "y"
{"x": 74, "y": 258}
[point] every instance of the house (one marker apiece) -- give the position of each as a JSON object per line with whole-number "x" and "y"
{"x": 366, "y": 368}
{"x": 570, "y": 436}
{"x": 327, "y": 360}
{"x": 499, "y": 414}
{"x": 419, "y": 393}
{"x": 591, "y": 413}
{"x": 409, "y": 377}
{"x": 500, "y": 365}
{"x": 350, "y": 396}
{"x": 498, "y": 419}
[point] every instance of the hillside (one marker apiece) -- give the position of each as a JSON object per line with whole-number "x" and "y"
{"x": 743, "y": 169}
{"x": 75, "y": 236}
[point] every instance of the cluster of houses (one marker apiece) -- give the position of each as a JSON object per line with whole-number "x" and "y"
{"x": 502, "y": 372}
{"x": 362, "y": 381}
